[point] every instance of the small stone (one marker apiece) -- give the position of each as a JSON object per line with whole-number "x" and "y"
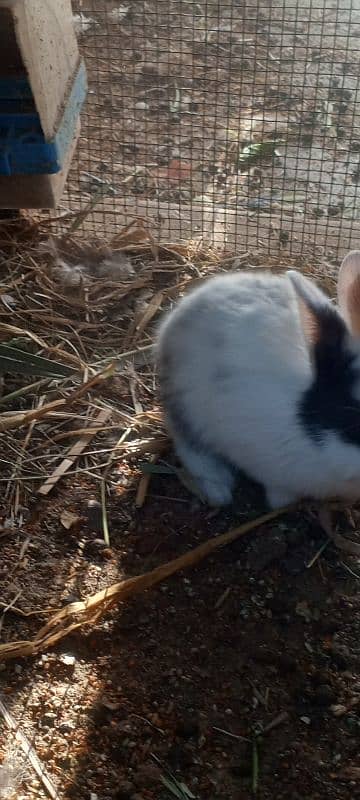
{"x": 142, "y": 106}
{"x": 68, "y": 660}
{"x": 108, "y": 553}
{"x": 338, "y": 710}
{"x": 71, "y": 598}
{"x": 306, "y": 720}
{"x": 67, "y": 726}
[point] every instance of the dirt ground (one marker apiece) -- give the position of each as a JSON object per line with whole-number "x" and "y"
{"x": 192, "y": 673}
{"x": 234, "y": 679}
{"x": 238, "y": 678}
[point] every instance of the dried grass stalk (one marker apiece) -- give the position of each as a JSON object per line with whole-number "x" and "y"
{"x": 89, "y": 611}
{"x": 74, "y": 452}
{"x": 28, "y": 753}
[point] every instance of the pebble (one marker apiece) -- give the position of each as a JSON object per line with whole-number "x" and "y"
{"x": 67, "y": 726}
{"x": 338, "y": 710}
{"x": 68, "y": 660}
{"x": 108, "y": 553}
{"x": 141, "y": 106}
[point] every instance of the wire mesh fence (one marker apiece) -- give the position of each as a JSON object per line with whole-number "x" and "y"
{"x": 233, "y": 121}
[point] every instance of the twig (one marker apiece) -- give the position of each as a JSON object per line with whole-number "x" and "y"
{"x": 144, "y": 483}
{"x": 350, "y": 571}
{"x": 222, "y": 598}
{"x": 105, "y": 524}
{"x": 15, "y": 610}
{"x": 283, "y": 717}
{"x": 317, "y": 555}
{"x": 73, "y": 453}
{"x": 29, "y": 752}
{"x": 231, "y": 735}
{"x": 17, "y": 420}
{"x": 88, "y": 611}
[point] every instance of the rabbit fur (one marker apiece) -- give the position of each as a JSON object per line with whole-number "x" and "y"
{"x": 261, "y": 373}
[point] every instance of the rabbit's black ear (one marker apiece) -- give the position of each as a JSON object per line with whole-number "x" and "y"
{"x": 323, "y": 326}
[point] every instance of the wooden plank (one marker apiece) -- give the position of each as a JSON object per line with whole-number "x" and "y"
{"x": 48, "y": 46}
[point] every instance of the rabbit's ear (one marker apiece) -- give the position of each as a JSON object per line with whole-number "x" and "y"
{"x": 324, "y": 328}
{"x": 349, "y": 291}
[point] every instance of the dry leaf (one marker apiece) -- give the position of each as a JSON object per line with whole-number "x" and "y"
{"x": 68, "y": 520}
{"x": 176, "y": 172}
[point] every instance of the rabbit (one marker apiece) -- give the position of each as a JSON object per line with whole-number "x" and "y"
{"x": 261, "y": 373}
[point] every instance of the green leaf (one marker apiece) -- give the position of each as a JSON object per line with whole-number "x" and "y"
{"x": 156, "y": 469}
{"x": 21, "y": 362}
{"x": 172, "y": 787}
{"x": 177, "y": 788}
{"x": 182, "y": 474}
{"x": 187, "y": 791}
{"x": 253, "y": 152}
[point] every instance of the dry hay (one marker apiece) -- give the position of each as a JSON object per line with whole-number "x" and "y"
{"x": 92, "y": 306}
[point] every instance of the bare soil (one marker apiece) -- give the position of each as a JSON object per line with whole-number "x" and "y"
{"x": 253, "y": 655}
{"x": 238, "y": 678}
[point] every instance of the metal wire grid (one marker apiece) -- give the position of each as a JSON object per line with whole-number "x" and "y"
{"x": 232, "y": 120}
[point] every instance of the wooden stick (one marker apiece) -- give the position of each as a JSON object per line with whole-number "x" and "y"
{"x": 29, "y": 752}
{"x": 86, "y": 612}
{"x": 74, "y": 452}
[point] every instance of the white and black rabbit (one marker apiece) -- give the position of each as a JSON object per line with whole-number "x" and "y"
{"x": 261, "y": 373}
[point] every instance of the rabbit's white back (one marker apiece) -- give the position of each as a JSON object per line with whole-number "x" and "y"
{"x": 235, "y": 361}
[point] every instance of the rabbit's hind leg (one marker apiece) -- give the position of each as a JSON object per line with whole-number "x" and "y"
{"x": 214, "y": 478}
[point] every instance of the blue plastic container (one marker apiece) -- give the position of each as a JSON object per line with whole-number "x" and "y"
{"x": 23, "y": 149}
